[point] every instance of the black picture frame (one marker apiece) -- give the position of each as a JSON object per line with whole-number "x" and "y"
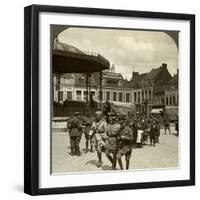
{"x": 31, "y": 98}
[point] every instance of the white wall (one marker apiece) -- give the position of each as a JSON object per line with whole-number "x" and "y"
{"x": 11, "y": 101}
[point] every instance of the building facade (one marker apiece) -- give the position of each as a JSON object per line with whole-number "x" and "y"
{"x": 156, "y": 89}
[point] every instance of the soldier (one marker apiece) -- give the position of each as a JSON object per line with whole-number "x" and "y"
{"x": 124, "y": 142}
{"x": 75, "y": 131}
{"x": 134, "y": 130}
{"x": 167, "y": 124}
{"x": 157, "y": 131}
{"x": 111, "y": 142}
{"x": 152, "y": 135}
{"x": 145, "y": 130}
{"x": 140, "y": 132}
{"x": 99, "y": 128}
{"x": 88, "y": 133}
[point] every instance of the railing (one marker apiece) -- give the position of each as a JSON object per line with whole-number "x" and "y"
{"x": 94, "y": 55}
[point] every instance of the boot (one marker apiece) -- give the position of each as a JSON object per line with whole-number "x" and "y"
{"x": 78, "y": 153}
{"x": 99, "y": 164}
{"x": 127, "y": 164}
{"x": 72, "y": 151}
{"x": 114, "y": 163}
{"x": 120, "y": 163}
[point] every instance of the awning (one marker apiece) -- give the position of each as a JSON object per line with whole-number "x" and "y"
{"x": 123, "y": 108}
{"x": 156, "y": 110}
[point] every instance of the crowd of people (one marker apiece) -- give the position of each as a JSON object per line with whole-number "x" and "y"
{"x": 114, "y": 135}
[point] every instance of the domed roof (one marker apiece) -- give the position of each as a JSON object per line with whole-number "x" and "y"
{"x": 66, "y": 47}
{"x": 69, "y": 59}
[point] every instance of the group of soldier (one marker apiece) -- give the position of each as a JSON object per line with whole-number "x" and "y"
{"x": 113, "y": 135}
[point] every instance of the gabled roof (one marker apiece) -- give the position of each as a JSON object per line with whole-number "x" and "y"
{"x": 138, "y": 79}
{"x": 174, "y": 80}
{"x": 152, "y": 74}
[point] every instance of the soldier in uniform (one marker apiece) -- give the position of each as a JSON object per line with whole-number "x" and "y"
{"x": 75, "y": 131}
{"x": 124, "y": 144}
{"x": 134, "y": 129}
{"x": 140, "y": 133}
{"x": 153, "y": 132}
{"x": 88, "y": 133}
{"x": 167, "y": 124}
{"x": 111, "y": 142}
{"x": 157, "y": 131}
{"x": 99, "y": 128}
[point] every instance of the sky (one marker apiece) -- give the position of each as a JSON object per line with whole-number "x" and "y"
{"x": 128, "y": 50}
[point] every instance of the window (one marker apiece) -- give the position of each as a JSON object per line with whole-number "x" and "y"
{"x": 174, "y": 100}
{"x": 149, "y": 94}
{"x": 81, "y": 80}
{"x": 142, "y": 95}
{"x": 138, "y": 97}
{"x": 120, "y": 97}
{"x": 162, "y": 100}
{"x": 114, "y": 96}
{"x": 92, "y": 93}
{"x": 107, "y": 96}
{"x": 78, "y": 95}
{"x": 167, "y": 101}
{"x": 170, "y": 100}
{"x": 135, "y": 96}
{"x": 69, "y": 95}
{"x": 146, "y": 94}
{"x": 127, "y": 97}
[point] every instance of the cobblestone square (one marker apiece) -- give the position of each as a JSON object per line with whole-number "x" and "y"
{"x": 163, "y": 155}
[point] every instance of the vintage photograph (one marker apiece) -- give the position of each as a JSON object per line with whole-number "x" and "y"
{"x": 114, "y": 99}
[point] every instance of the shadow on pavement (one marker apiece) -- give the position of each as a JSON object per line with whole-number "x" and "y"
{"x": 106, "y": 167}
{"x": 91, "y": 162}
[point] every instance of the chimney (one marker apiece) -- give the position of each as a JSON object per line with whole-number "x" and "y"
{"x": 164, "y": 65}
{"x": 134, "y": 75}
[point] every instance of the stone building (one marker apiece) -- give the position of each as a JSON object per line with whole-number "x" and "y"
{"x": 172, "y": 97}
{"x": 147, "y": 92}
{"x": 114, "y": 87}
{"x": 149, "y": 89}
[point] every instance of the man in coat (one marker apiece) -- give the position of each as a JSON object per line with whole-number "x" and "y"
{"x": 111, "y": 142}
{"x": 75, "y": 131}
{"x": 99, "y": 128}
{"x": 167, "y": 124}
{"x": 153, "y": 132}
{"x": 125, "y": 141}
{"x": 88, "y": 134}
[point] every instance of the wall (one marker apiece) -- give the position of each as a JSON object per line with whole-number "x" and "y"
{"x": 11, "y": 101}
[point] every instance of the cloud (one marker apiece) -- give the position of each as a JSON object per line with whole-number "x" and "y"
{"x": 126, "y": 48}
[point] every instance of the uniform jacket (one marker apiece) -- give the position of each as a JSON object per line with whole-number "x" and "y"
{"x": 99, "y": 127}
{"x": 75, "y": 127}
{"x": 153, "y": 131}
{"x": 125, "y": 139}
{"x": 112, "y": 132}
{"x": 125, "y": 135}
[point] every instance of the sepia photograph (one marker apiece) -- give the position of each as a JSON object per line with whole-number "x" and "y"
{"x": 109, "y": 100}
{"x": 114, "y": 99}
